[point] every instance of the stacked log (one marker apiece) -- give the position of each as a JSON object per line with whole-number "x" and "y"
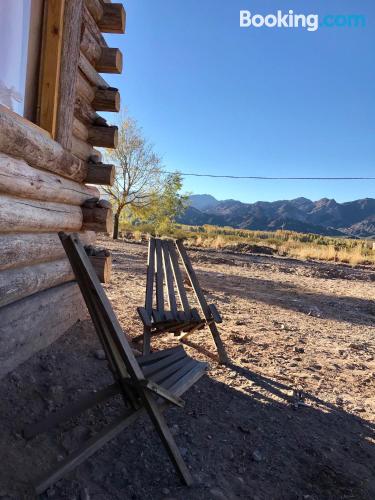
{"x": 43, "y": 188}
{"x": 27, "y": 249}
{"x": 33, "y": 323}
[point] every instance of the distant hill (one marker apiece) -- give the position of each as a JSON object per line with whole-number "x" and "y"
{"x": 325, "y": 216}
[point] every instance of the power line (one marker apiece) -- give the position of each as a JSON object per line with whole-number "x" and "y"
{"x": 259, "y": 177}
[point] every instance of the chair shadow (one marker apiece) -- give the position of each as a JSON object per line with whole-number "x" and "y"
{"x": 288, "y": 296}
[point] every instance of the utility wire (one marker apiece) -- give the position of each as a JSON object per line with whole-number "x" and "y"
{"x": 259, "y": 177}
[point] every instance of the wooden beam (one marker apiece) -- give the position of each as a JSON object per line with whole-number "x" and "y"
{"x": 24, "y": 249}
{"x": 107, "y": 100}
{"x": 16, "y": 284}
{"x": 95, "y": 8}
{"x": 84, "y": 88}
{"x": 17, "y": 178}
{"x": 97, "y": 219}
{"x": 110, "y": 61}
{"x": 105, "y": 137}
{"x": 80, "y": 130}
{"x": 113, "y": 19}
{"x": 50, "y": 67}
{"x": 85, "y": 151}
{"x": 100, "y": 174}
{"x": 33, "y": 323}
{"x": 21, "y": 139}
{"x": 102, "y": 266}
{"x": 19, "y": 215}
{"x": 69, "y": 68}
{"x": 90, "y": 73}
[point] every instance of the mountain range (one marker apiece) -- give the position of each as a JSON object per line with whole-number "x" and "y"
{"x": 325, "y": 216}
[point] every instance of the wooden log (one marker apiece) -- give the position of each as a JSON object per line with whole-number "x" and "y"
{"x": 107, "y": 100}
{"x": 17, "y": 178}
{"x": 105, "y": 137}
{"x": 90, "y": 23}
{"x": 85, "y": 151}
{"x": 90, "y": 46}
{"x": 96, "y": 9}
{"x": 84, "y": 111}
{"x": 97, "y": 219}
{"x": 33, "y": 323}
{"x": 19, "y": 215}
{"x": 113, "y": 19}
{"x": 20, "y": 139}
{"x": 68, "y": 74}
{"x": 16, "y": 284}
{"x": 90, "y": 73}
{"x": 84, "y": 88}
{"x": 101, "y": 174}
{"x": 22, "y": 249}
{"x": 102, "y": 266}
{"x": 110, "y": 61}
{"x": 80, "y": 130}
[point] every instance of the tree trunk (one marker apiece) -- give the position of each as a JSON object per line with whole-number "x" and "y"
{"x": 116, "y": 226}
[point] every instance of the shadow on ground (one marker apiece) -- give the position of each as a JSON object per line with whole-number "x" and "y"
{"x": 250, "y": 445}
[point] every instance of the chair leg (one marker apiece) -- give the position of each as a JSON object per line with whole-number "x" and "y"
{"x": 167, "y": 438}
{"x": 146, "y": 341}
{"x": 223, "y": 356}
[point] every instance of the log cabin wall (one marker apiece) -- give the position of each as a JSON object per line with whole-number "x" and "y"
{"x": 47, "y": 172}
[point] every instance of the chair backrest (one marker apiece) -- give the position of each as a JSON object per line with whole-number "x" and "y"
{"x": 119, "y": 353}
{"x": 165, "y": 277}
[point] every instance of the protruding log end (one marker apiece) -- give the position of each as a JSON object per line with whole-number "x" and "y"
{"x": 98, "y": 219}
{"x": 104, "y": 137}
{"x": 113, "y": 19}
{"x": 107, "y": 100}
{"x": 100, "y": 174}
{"x": 103, "y": 267}
{"x": 110, "y": 61}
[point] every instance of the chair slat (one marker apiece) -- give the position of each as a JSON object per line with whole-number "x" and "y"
{"x": 150, "y": 369}
{"x": 155, "y": 356}
{"x": 161, "y": 375}
{"x": 150, "y": 276}
{"x": 169, "y": 279}
{"x": 178, "y": 279}
{"x": 159, "y": 277}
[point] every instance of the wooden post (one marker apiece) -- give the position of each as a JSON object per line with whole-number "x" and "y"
{"x": 50, "y": 67}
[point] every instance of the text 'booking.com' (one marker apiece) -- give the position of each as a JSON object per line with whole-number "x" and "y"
{"x": 310, "y": 22}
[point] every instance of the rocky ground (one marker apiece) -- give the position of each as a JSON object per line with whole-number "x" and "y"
{"x": 291, "y": 418}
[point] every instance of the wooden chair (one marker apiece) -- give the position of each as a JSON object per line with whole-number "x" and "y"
{"x": 147, "y": 384}
{"x": 179, "y": 318}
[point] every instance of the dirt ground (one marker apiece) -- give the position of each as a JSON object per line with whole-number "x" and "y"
{"x": 292, "y": 417}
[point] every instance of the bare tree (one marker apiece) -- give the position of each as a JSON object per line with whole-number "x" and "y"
{"x": 138, "y": 171}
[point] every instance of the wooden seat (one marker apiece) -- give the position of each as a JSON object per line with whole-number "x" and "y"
{"x": 148, "y": 384}
{"x": 167, "y": 308}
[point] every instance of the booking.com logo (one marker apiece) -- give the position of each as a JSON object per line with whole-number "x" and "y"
{"x": 310, "y": 22}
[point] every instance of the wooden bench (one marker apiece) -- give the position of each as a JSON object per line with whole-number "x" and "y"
{"x": 164, "y": 276}
{"x": 148, "y": 384}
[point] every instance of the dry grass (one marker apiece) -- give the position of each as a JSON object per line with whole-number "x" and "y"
{"x": 285, "y": 243}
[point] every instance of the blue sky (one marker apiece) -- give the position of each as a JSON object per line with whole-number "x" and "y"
{"x": 219, "y": 99}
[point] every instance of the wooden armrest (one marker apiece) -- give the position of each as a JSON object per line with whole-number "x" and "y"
{"x": 145, "y": 317}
